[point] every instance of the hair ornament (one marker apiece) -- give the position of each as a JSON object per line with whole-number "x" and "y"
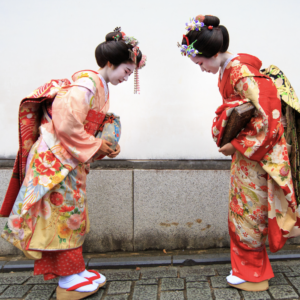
{"x": 194, "y": 24}
{"x": 133, "y": 54}
{"x": 130, "y": 40}
{"x": 142, "y": 63}
{"x": 210, "y": 27}
{"x": 116, "y": 37}
{"x": 187, "y": 40}
{"x": 188, "y": 50}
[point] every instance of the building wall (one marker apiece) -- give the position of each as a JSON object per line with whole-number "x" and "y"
{"x": 171, "y": 119}
{"x": 136, "y": 206}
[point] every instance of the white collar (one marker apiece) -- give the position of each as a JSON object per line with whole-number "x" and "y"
{"x": 231, "y": 57}
{"x": 105, "y": 86}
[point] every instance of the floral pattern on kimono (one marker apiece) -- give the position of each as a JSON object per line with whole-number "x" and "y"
{"x": 242, "y": 82}
{"x": 291, "y": 111}
{"x": 261, "y": 141}
{"x": 50, "y": 212}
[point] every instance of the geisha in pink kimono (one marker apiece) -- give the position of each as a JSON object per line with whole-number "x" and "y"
{"x": 262, "y": 200}
{"x": 48, "y": 216}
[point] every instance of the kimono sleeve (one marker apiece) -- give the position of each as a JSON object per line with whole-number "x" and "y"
{"x": 264, "y": 129}
{"x": 69, "y": 111}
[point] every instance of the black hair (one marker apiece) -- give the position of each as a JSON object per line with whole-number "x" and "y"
{"x": 114, "y": 50}
{"x": 209, "y": 41}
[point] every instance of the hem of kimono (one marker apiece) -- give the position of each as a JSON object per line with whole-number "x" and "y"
{"x": 268, "y": 272}
{"x": 51, "y": 250}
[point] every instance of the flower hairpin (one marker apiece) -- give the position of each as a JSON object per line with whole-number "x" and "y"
{"x": 142, "y": 63}
{"x": 133, "y": 54}
{"x": 130, "y": 40}
{"x": 194, "y": 25}
{"x": 188, "y": 50}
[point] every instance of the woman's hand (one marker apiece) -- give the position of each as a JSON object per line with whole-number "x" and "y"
{"x": 105, "y": 148}
{"x": 227, "y": 149}
{"x": 114, "y": 154}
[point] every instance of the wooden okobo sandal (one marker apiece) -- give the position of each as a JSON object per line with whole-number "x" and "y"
{"x": 252, "y": 286}
{"x": 71, "y": 294}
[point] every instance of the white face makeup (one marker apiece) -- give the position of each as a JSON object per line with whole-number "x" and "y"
{"x": 209, "y": 65}
{"x": 121, "y": 73}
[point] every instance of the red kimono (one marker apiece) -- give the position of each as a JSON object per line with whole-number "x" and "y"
{"x": 261, "y": 198}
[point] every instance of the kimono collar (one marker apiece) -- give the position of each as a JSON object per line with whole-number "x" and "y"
{"x": 231, "y": 57}
{"x": 99, "y": 86}
{"x": 244, "y": 59}
{"x": 105, "y": 86}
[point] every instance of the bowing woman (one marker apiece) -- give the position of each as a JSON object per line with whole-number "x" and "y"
{"x": 261, "y": 197}
{"x": 49, "y": 217}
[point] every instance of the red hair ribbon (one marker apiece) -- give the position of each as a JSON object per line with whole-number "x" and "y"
{"x": 210, "y": 27}
{"x": 187, "y": 40}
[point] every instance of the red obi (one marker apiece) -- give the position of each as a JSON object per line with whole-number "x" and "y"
{"x": 93, "y": 121}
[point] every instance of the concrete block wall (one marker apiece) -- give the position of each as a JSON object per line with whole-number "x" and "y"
{"x": 136, "y": 206}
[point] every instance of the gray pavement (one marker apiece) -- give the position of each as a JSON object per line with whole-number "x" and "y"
{"x": 201, "y": 282}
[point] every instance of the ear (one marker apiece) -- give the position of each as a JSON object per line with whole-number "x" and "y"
{"x": 216, "y": 55}
{"x": 109, "y": 64}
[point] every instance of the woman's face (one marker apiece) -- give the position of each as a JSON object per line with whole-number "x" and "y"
{"x": 209, "y": 65}
{"x": 120, "y": 73}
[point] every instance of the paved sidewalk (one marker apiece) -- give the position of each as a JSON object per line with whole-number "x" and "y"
{"x": 201, "y": 282}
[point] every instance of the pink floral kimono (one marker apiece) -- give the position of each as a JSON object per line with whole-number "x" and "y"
{"x": 50, "y": 213}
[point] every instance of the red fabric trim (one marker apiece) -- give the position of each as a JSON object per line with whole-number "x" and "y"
{"x": 59, "y": 263}
{"x": 94, "y": 277}
{"x": 79, "y": 285}
{"x": 10, "y": 197}
{"x": 187, "y": 40}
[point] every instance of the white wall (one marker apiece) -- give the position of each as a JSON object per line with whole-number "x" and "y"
{"x": 171, "y": 119}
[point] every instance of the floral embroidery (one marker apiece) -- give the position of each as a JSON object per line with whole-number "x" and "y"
{"x": 56, "y": 198}
{"x": 275, "y": 114}
{"x": 74, "y": 221}
{"x": 14, "y": 223}
{"x": 47, "y": 164}
{"x": 63, "y": 232}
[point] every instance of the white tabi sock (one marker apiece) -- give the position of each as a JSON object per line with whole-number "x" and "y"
{"x": 66, "y": 282}
{"x": 87, "y": 274}
{"x": 234, "y": 279}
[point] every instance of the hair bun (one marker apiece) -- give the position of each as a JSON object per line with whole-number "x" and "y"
{"x": 116, "y": 35}
{"x": 211, "y": 20}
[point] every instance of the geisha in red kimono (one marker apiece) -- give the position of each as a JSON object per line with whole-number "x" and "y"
{"x": 262, "y": 200}
{"x": 46, "y": 200}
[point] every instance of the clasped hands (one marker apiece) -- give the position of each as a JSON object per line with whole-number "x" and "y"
{"x": 106, "y": 150}
{"x": 227, "y": 149}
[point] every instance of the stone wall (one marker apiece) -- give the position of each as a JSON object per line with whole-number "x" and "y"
{"x": 142, "y": 205}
